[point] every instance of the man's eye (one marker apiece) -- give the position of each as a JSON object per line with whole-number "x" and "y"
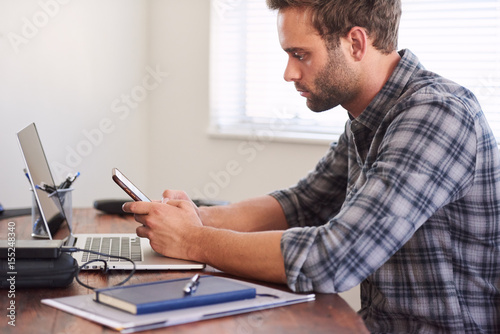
{"x": 299, "y": 56}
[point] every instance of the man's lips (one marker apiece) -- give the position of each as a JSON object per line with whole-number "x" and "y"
{"x": 303, "y": 92}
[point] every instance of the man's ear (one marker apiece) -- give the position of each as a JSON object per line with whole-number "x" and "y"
{"x": 358, "y": 42}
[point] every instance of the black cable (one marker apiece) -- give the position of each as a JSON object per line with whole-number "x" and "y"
{"x": 104, "y": 270}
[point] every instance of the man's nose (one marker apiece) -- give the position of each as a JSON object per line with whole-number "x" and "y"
{"x": 292, "y": 71}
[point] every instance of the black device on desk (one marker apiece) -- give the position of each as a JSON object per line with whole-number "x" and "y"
{"x": 35, "y": 264}
{"x": 30, "y": 249}
{"x": 9, "y": 213}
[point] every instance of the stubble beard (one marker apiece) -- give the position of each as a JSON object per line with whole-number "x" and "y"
{"x": 335, "y": 84}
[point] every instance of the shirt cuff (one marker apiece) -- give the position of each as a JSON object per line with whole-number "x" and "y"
{"x": 304, "y": 261}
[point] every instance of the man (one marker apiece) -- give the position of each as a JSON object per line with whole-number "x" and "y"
{"x": 407, "y": 203}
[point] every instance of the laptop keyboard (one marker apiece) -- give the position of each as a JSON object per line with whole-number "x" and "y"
{"x": 117, "y": 246}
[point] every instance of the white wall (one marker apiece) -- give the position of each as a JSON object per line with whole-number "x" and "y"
{"x": 81, "y": 70}
{"x": 70, "y": 66}
{"x": 62, "y": 64}
{"x": 182, "y": 155}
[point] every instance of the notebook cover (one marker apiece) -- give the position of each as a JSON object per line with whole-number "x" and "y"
{"x": 169, "y": 295}
{"x": 84, "y": 306}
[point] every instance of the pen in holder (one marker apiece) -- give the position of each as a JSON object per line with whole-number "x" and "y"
{"x": 38, "y": 230}
{"x": 62, "y": 198}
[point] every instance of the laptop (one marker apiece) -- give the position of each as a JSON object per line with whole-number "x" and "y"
{"x": 54, "y": 223}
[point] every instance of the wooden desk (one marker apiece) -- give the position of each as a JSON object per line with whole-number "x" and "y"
{"x": 329, "y": 313}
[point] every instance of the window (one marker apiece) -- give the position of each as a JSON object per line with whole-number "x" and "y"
{"x": 459, "y": 40}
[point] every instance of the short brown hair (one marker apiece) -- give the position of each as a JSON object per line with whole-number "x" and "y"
{"x": 335, "y": 18}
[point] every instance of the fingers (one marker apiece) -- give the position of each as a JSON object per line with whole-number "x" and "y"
{"x": 175, "y": 194}
{"x": 181, "y": 204}
{"x": 140, "y": 208}
{"x": 145, "y": 208}
{"x": 142, "y": 231}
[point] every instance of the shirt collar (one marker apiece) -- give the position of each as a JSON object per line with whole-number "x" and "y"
{"x": 388, "y": 96}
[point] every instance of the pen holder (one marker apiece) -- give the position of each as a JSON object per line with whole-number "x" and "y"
{"x": 64, "y": 202}
{"x": 38, "y": 230}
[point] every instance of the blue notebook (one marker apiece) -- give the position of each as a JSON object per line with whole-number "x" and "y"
{"x": 169, "y": 295}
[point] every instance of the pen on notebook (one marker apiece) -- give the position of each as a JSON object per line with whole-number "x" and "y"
{"x": 68, "y": 182}
{"x": 192, "y": 285}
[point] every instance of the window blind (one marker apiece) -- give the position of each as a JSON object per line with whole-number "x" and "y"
{"x": 459, "y": 40}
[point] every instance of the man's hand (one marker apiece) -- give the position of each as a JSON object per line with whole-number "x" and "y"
{"x": 242, "y": 239}
{"x": 168, "y": 225}
{"x": 178, "y": 195}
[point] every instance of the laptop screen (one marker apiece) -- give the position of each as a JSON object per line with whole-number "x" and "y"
{"x": 51, "y": 212}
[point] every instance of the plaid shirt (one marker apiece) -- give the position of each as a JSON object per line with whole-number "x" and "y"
{"x": 407, "y": 203}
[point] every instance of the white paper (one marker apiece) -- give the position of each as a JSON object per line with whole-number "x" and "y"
{"x": 84, "y": 306}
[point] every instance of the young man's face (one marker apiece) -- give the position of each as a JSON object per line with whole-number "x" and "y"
{"x": 322, "y": 76}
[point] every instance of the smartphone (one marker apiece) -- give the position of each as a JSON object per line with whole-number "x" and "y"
{"x": 129, "y": 187}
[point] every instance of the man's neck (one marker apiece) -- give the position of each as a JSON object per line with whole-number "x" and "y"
{"x": 377, "y": 69}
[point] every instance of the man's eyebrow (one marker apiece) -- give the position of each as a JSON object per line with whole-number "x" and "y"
{"x": 291, "y": 50}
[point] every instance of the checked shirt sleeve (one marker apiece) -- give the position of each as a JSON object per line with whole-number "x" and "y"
{"x": 320, "y": 195}
{"x": 424, "y": 160}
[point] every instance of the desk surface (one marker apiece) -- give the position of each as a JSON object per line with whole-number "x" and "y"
{"x": 329, "y": 313}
